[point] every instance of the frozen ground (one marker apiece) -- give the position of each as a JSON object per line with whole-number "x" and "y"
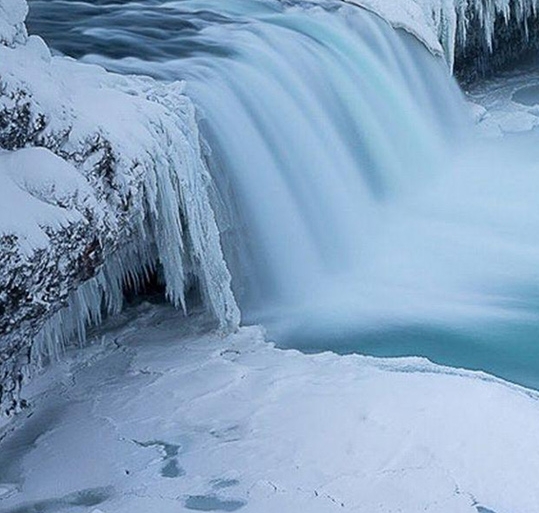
{"x": 160, "y": 417}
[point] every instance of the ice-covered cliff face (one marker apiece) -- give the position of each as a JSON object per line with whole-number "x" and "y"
{"x": 475, "y": 36}
{"x": 102, "y": 180}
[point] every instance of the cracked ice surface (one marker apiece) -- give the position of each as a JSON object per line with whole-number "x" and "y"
{"x": 192, "y": 422}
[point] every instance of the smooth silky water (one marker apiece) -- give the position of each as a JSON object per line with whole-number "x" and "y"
{"x": 359, "y": 212}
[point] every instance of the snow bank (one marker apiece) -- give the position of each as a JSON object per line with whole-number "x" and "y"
{"x": 118, "y": 187}
{"x": 184, "y": 423}
{"x": 39, "y": 193}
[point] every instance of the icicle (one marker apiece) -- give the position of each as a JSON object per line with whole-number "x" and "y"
{"x": 181, "y": 186}
{"x": 450, "y": 19}
{"x": 177, "y": 229}
{"x": 85, "y": 306}
{"x": 447, "y": 30}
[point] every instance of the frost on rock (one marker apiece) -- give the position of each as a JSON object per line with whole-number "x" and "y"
{"x": 102, "y": 180}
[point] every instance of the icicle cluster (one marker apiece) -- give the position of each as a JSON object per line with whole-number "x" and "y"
{"x": 444, "y": 25}
{"x": 176, "y": 228}
{"x": 488, "y": 11}
{"x": 452, "y": 20}
{"x": 87, "y": 305}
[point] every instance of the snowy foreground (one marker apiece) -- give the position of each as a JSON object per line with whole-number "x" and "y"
{"x": 196, "y": 422}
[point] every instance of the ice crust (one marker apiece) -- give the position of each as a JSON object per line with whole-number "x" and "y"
{"x": 250, "y": 428}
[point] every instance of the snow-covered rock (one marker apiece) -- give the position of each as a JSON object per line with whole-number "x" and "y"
{"x": 40, "y": 193}
{"x": 118, "y": 187}
{"x": 12, "y": 16}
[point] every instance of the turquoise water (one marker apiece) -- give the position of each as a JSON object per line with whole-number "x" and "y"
{"x": 488, "y": 348}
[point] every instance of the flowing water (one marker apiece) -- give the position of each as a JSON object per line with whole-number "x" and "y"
{"x": 359, "y": 213}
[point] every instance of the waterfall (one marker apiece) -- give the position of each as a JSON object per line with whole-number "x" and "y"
{"x": 318, "y": 124}
{"x": 356, "y": 207}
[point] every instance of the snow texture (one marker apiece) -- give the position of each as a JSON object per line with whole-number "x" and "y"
{"x": 102, "y": 179}
{"x": 496, "y": 108}
{"x": 185, "y": 423}
{"x": 12, "y": 16}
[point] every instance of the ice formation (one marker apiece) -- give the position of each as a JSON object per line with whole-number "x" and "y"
{"x": 102, "y": 179}
{"x": 444, "y": 25}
